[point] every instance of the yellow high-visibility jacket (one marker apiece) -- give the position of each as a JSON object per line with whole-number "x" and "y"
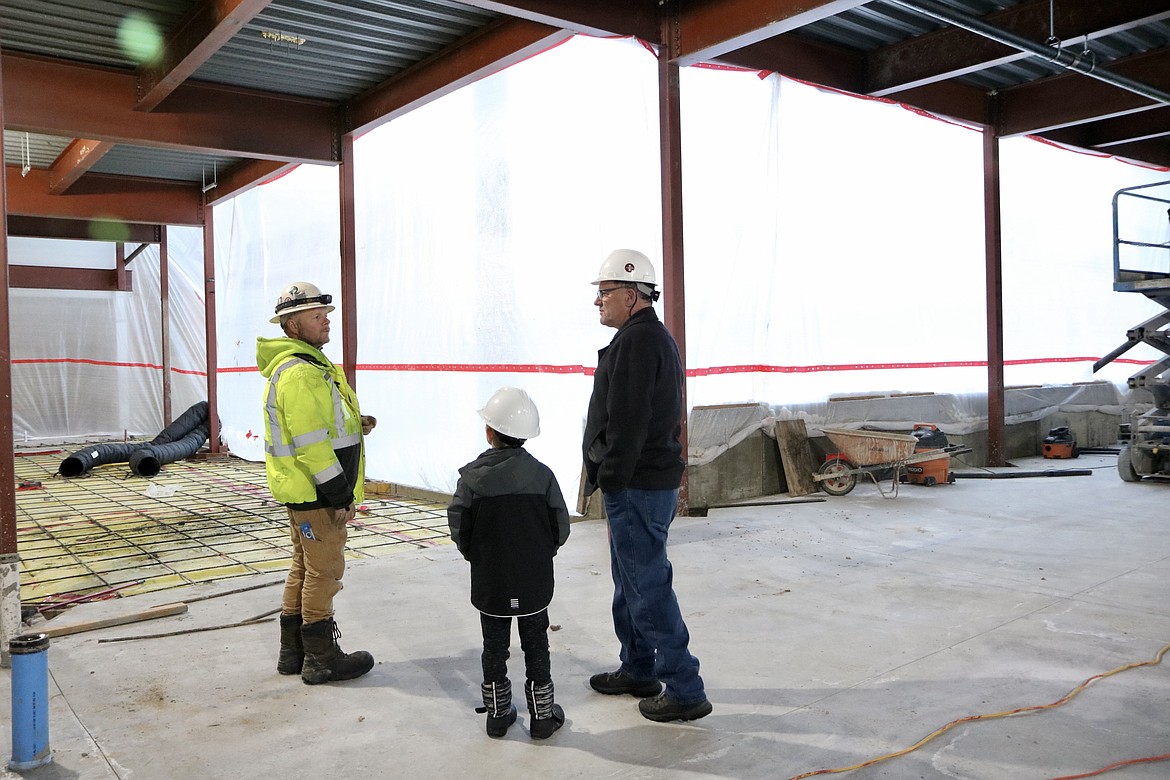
{"x": 312, "y": 427}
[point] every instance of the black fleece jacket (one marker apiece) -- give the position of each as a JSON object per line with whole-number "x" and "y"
{"x": 508, "y": 518}
{"x": 636, "y": 410}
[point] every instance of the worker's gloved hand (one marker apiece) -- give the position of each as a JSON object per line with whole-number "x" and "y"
{"x": 368, "y": 423}
{"x": 343, "y": 516}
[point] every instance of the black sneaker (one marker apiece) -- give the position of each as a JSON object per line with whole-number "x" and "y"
{"x": 664, "y": 708}
{"x": 616, "y": 683}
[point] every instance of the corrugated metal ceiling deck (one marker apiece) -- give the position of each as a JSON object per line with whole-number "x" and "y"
{"x": 81, "y": 30}
{"x": 878, "y": 24}
{"x": 334, "y": 51}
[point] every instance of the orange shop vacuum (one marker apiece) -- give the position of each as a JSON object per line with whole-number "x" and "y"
{"x": 932, "y": 471}
{"x": 1059, "y": 443}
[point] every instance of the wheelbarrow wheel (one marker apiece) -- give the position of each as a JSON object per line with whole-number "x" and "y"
{"x": 840, "y": 481}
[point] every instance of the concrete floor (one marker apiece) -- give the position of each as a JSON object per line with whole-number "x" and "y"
{"x": 829, "y": 633}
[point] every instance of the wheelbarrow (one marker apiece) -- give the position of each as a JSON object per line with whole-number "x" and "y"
{"x": 869, "y": 453}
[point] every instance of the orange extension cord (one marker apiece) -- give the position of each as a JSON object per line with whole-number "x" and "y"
{"x": 1022, "y": 710}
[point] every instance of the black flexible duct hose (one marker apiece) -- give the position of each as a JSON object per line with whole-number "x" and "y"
{"x": 97, "y": 455}
{"x": 187, "y": 422}
{"x": 148, "y": 460}
{"x": 180, "y": 439}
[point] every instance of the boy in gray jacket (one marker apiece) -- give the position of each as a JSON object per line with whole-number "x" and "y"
{"x": 508, "y": 518}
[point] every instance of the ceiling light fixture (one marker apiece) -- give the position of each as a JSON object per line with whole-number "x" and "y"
{"x": 209, "y": 186}
{"x": 26, "y": 158}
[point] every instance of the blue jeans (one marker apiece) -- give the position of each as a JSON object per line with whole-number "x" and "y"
{"x": 646, "y": 617}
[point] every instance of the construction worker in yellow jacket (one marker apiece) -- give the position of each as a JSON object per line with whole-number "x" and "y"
{"x": 315, "y": 462}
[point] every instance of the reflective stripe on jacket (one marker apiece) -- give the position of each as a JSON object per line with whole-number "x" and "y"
{"x": 311, "y": 417}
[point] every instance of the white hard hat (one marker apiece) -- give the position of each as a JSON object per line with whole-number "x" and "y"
{"x": 300, "y": 296}
{"x": 511, "y": 412}
{"x": 628, "y": 265}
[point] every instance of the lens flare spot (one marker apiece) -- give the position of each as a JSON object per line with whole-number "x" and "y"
{"x": 139, "y": 37}
{"x": 110, "y": 228}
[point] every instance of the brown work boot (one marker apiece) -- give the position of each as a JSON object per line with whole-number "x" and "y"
{"x": 324, "y": 660}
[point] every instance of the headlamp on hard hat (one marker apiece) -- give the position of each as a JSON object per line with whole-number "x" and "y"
{"x": 298, "y": 297}
{"x": 324, "y": 299}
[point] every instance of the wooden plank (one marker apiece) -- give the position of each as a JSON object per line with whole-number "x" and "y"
{"x": 590, "y": 507}
{"x": 163, "y": 610}
{"x": 796, "y": 457}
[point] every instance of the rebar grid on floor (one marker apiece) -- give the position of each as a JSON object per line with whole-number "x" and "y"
{"x": 113, "y": 533}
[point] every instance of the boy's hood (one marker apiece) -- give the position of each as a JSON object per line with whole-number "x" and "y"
{"x": 496, "y": 472}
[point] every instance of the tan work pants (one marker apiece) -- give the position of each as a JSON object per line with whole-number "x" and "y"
{"x": 318, "y": 563}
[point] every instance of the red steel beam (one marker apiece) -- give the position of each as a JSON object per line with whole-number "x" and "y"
{"x": 804, "y": 59}
{"x": 1153, "y": 152}
{"x": 76, "y": 161}
{"x": 80, "y": 229}
{"x": 1072, "y": 98}
{"x": 193, "y": 41}
{"x": 62, "y": 98}
{"x": 37, "y": 277}
{"x": 630, "y": 17}
{"x": 948, "y": 98}
{"x": 107, "y": 199}
{"x": 130, "y": 257}
{"x": 711, "y": 29}
{"x": 480, "y": 54}
{"x": 1107, "y": 133}
{"x": 244, "y": 177}
{"x": 951, "y": 52}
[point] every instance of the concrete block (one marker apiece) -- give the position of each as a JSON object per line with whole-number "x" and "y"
{"x": 1090, "y": 429}
{"x": 748, "y": 470}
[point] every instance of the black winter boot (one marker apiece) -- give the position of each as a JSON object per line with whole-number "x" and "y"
{"x": 546, "y": 715}
{"x": 497, "y": 702}
{"x": 324, "y": 660}
{"x": 292, "y": 651}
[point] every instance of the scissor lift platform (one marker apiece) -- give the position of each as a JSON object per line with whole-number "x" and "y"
{"x": 1143, "y": 266}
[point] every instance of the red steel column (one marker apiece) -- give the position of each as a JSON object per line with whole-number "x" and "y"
{"x": 670, "y": 145}
{"x": 164, "y": 295}
{"x": 993, "y": 247}
{"x": 7, "y": 459}
{"x": 348, "y": 263}
{"x": 209, "y": 320}
{"x": 121, "y": 272}
{"x": 10, "y": 625}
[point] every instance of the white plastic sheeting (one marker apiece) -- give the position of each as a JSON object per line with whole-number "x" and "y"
{"x": 481, "y": 219}
{"x": 88, "y": 364}
{"x": 1060, "y": 312}
{"x": 286, "y": 231}
{"x": 833, "y": 245}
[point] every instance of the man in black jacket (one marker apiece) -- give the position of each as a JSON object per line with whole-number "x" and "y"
{"x": 633, "y": 454}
